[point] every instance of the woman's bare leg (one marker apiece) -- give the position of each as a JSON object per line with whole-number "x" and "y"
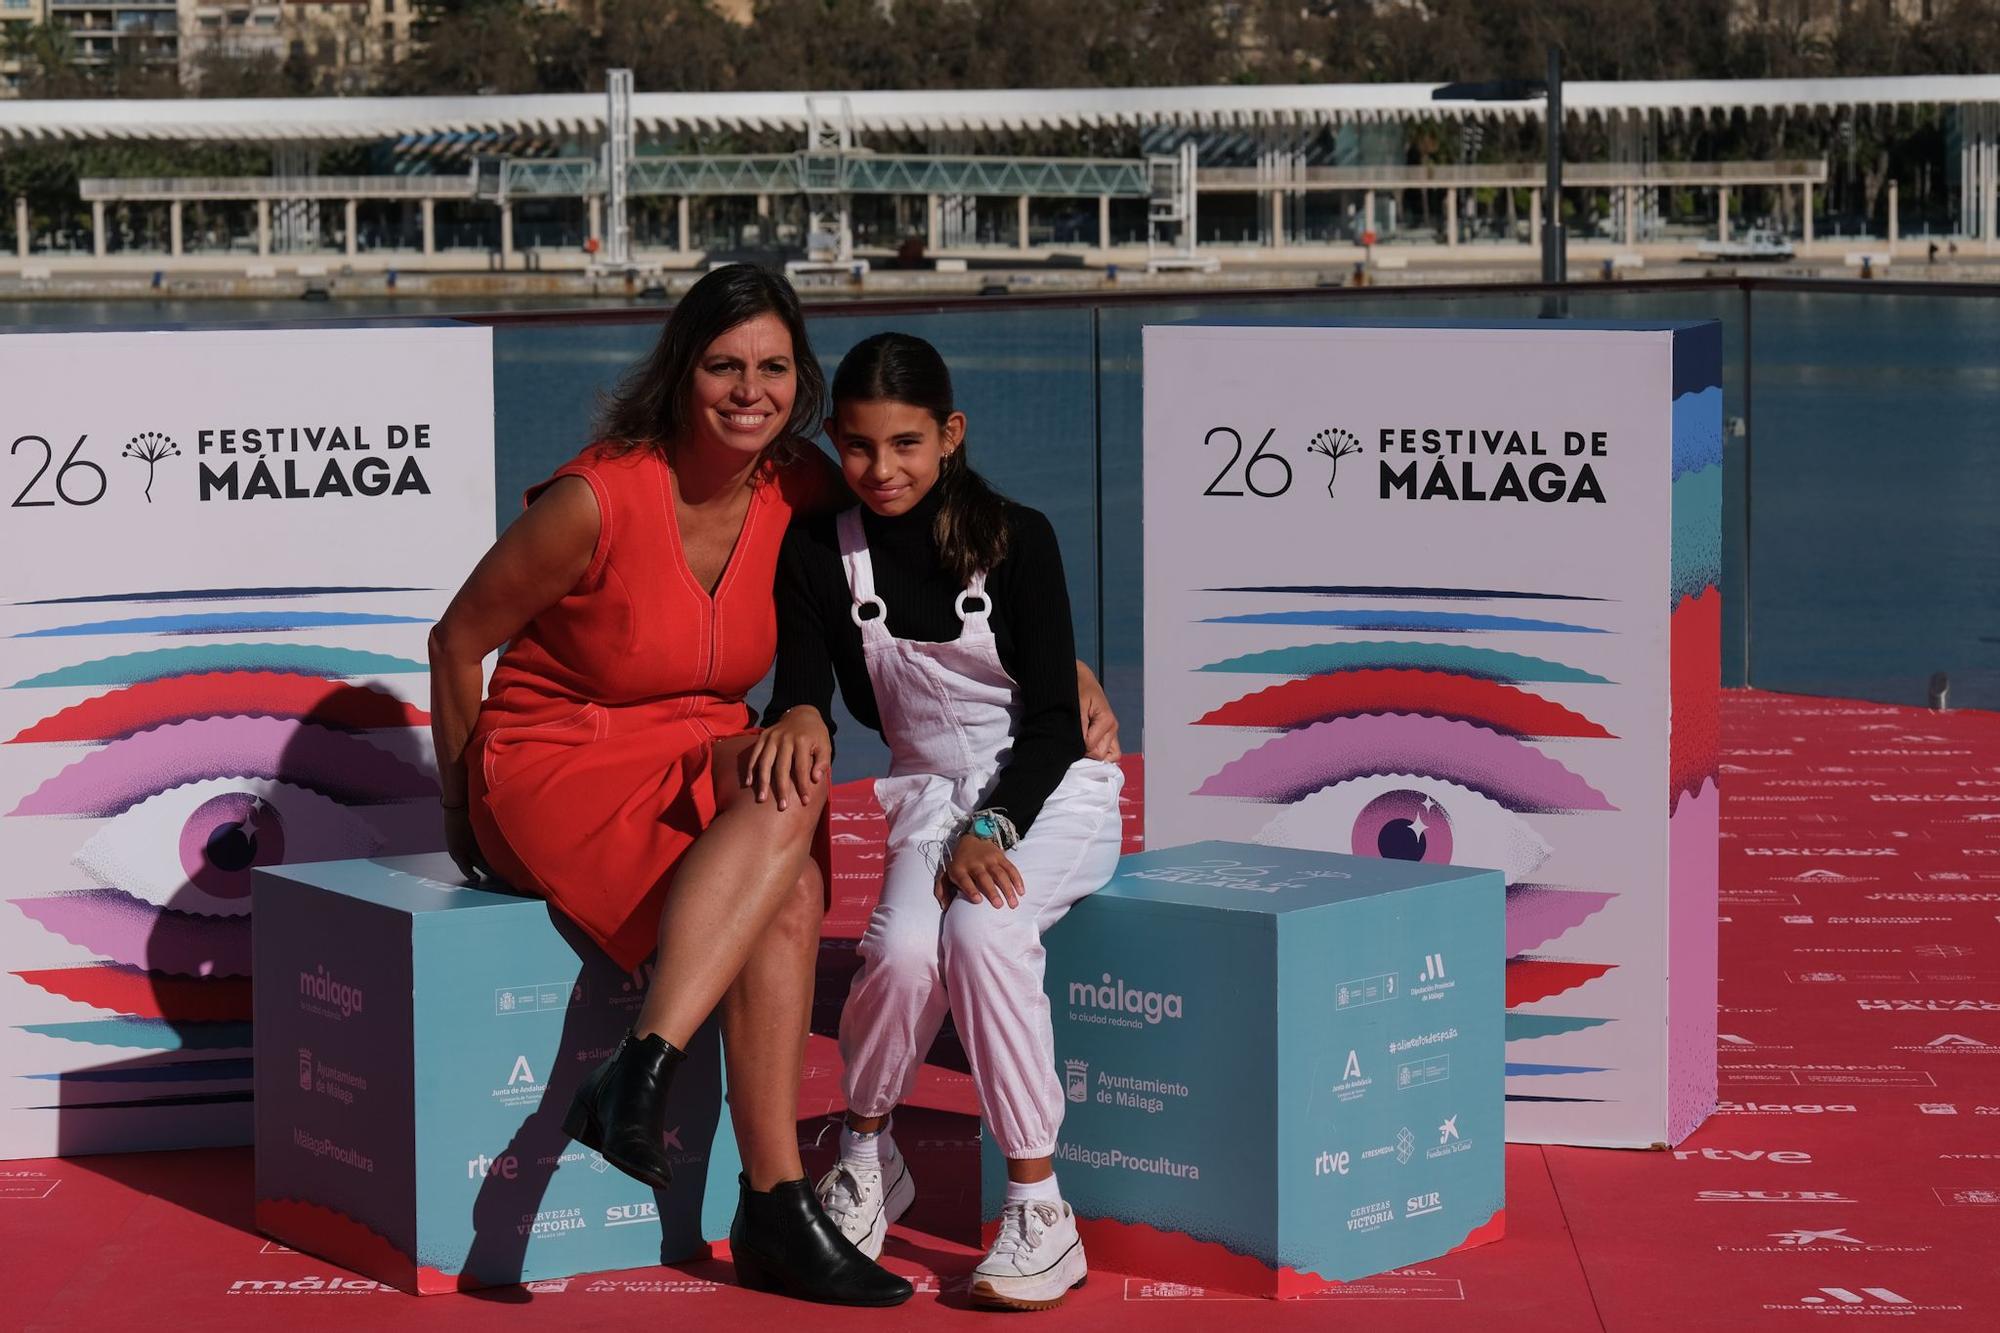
{"x": 738, "y": 874}
{"x": 765, "y": 1017}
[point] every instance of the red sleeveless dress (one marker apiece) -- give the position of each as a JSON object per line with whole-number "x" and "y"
{"x": 588, "y": 770}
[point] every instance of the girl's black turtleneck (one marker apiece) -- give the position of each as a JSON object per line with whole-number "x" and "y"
{"x": 818, "y": 640}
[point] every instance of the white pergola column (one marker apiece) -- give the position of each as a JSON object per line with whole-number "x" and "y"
{"x": 682, "y": 213}
{"x": 1535, "y": 220}
{"x": 97, "y": 227}
{"x": 1021, "y": 223}
{"x": 263, "y": 226}
{"x": 933, "y": 222}
{"x": 1451, "y": 218}
{"x": 174, "y": 229}
{"x": 21, "y": 236}
{"x": 353, "y": 226}
{"x": 1368, "y": 210}
{"x": 1989, "y": 211}
{"x": 1722, "y": 214}
{"x": 1895, "y": 223}
{"x": 1277, "y": 219}
{"x": 1104, "y": 222}
{"x": 596, "y": 232}
{"x": 1806, "y": 209}
{"x": 1631, "y": 215}
{"x": 430, "y": 226}
{"x": 506, "y": 235}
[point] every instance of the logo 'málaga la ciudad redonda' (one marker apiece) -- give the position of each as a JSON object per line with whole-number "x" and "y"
{"x": 1114, "y": 998}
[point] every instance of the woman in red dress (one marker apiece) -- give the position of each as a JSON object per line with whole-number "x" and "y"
{"x": 607, "y": 766}
{"x": 605, "y": 769}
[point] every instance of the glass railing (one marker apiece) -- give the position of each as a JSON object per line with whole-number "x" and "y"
{"x": 1861, "y": 548}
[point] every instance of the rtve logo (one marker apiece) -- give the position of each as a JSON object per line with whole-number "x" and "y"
{"x": 506, "y": 1167}
{"x": 1742, "y": 1155}
{"x": 1331, "y": 1164}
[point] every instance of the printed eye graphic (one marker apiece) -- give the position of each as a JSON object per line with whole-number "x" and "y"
{"x": 1403, "y": 817}
{"x": 126, "y": 772}
{"x": 194, "y": 806}
{"x": 1295, "y": 764}
{"x": 193, "y": 847}
{"x": 130, "y": 709}
{"x": 1490, "y": 703}
{"x": 1459, "y": 659}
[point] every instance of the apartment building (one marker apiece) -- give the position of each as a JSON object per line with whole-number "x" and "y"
{"x": 349, "y": 40}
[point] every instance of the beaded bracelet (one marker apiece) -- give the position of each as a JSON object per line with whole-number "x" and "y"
{"x": 994, "y": 827}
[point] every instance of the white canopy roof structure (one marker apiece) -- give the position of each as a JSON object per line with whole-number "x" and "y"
{"x": 325, "y": 120}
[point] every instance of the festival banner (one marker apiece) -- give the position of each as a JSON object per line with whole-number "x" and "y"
{"x": 1448, "y": 594}
{"x": 221, "y": 553}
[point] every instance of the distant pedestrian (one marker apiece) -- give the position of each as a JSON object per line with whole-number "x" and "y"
{"x": 1932, "y": 258}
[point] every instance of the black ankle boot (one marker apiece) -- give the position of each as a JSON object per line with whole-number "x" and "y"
{"x": 620, "y": 1109}
{"x": 782, "y": 1242}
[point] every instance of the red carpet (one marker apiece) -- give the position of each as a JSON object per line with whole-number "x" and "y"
{"x": 1854, "y": 1170}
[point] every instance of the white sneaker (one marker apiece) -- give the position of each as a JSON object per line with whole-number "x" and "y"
{"x": 854, "y": 1199}
{"x": 1035, "y": 1260}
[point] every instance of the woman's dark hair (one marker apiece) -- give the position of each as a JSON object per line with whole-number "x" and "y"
{"x": 649, "y": 408}
{"x": 971, "y": 525}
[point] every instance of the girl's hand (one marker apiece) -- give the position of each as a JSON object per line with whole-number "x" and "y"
{"x": 464, "y": 848}
{"x": 789, "y": 756}
{"x": 980, "y": 871}
{"x": 1100, "y": 724}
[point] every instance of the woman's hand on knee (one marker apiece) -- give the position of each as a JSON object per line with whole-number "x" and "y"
{"x": 789, "y": 758}
{"x": 981, "y": 872}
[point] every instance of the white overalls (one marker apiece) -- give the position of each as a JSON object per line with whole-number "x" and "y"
{"x": 949, "y": 712}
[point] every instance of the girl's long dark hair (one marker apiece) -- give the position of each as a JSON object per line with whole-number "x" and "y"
{"x": 649, "y": 408}
{"x": 971, "y": 525}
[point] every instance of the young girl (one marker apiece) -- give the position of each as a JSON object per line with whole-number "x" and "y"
{"x": 941, "y": 609}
